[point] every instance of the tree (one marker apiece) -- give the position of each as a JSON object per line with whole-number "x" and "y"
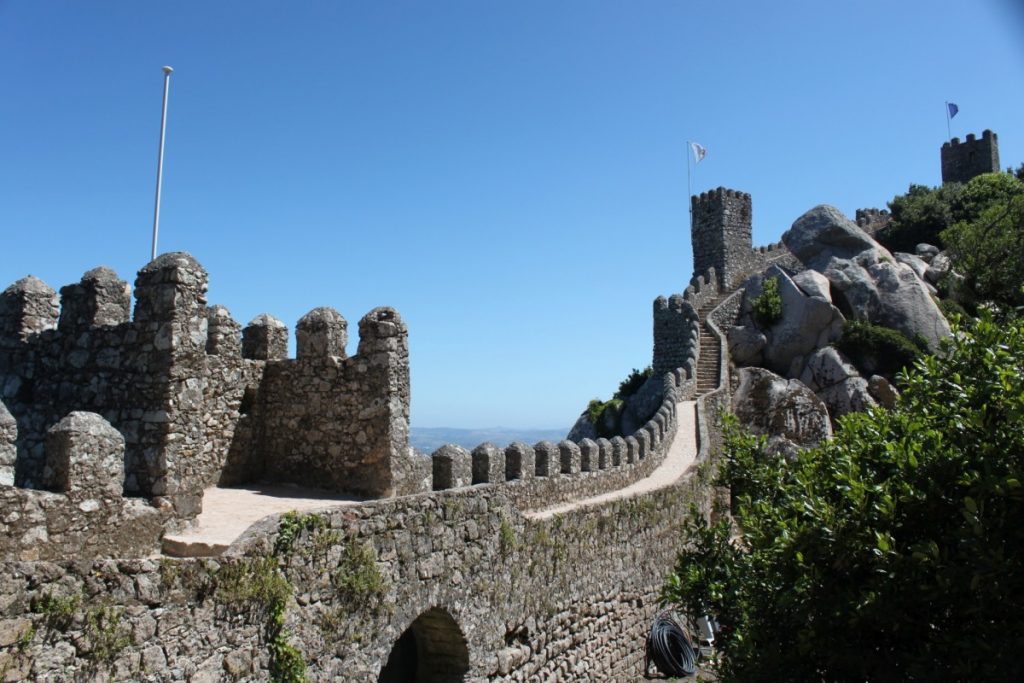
{"x": 919, "y": 216}
{"x": 893, "y": 552}
{"x": 987, "y": 242}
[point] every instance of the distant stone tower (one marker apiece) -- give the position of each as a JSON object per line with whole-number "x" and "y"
{"x": 721, "y": 234}
{"x": 962, "y": 161}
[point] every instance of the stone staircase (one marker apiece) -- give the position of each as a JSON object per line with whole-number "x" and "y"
{"x": 709, "y": 363}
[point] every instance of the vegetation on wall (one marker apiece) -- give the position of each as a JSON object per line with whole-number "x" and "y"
{"x": 892, "y": 552}
{"x": 606, "y": 416}
{"x": 767, "y": 306}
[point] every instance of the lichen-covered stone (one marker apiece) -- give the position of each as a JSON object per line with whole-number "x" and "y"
{"x": 320, "y": 333}
{"x": 265, "y": 338}
{"x": 452, "y": 467}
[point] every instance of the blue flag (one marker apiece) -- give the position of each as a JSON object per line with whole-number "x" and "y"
{"x": 953, "y": 109}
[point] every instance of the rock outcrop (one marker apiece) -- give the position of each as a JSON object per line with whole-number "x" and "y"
{"x": 865, "y": 280}
{"x": 769, "y": 404}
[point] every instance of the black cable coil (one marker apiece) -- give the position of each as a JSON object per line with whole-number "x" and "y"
{"x": 668, "y": 646}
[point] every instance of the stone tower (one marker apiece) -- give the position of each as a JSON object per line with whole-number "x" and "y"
{"x": 962, "y": 161}
{"x": 721, "y": 234}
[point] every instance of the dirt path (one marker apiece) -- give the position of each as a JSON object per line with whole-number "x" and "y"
{"x": 681, "y": 454}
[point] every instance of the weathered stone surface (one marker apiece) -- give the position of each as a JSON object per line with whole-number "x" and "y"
{"x": 320, "y": 333}
{"x": 101, "y": 298}
{"x": 590, "y": 454}
{"x": 866, "y": 283}
{"x": 806, "y": 324}
{"x": 882, "y": 391}
{"x": 452, "y": 467}
{"x": 582, "y": 429}
{"x": 520, "y": 462}
{"x": 84, "y": 454}
{"x": 27, "y": 307}
{"x": 938, "y": 267}
{"x": 926, "y": 252}
{"x": 915, "y": 263}
{"x": 488, "y": 464}
{"x": 265, "y": 338}
{"x": 569, "y": 456}
{"x": 745, "y": 344}
{"x": 223, "y": 333}
{"x": 769, "y": 404}
{"x": 813, "y": 283}
{"x": 849, "y": 396}
{"x": 547, "y": 459}
{"x": 826, "y": 367}
{"x": 8, "y": 449}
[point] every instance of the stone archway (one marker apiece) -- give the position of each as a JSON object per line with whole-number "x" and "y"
{"x": 431, "y": 650}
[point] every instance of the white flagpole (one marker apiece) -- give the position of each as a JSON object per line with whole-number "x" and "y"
{"x": 689, "y": 191}
{"x": 949, "y": 135}
{"x": 160, "y": 160}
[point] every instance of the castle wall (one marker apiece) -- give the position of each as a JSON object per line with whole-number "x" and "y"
{"x": 334, "y": 422}
{"x": 962, "y": 161}
{"x": 193, "y": 411}
{"x": 530, "y": 599}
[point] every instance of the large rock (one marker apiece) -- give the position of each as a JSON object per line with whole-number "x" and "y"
{"x": 827, "y": 367}
{"x": 807, "y": 323}
{"x": 745, "y": 344}
{"x": 769, "y": 404}
{"x": 866, "y": 282}
{"x": 852, "y": 395}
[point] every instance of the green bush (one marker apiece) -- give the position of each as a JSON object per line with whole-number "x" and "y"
{"x": 632, "y": 384}
{"x": 878, "y": 350}
{"x": 892, "y": 552}
{"x": 767, "y": 305}
{"x": 986, "y": 246}
{"x": 919, "y": 216}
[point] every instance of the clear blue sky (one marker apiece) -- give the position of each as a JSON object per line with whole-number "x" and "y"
{"x": 511, "y": 176}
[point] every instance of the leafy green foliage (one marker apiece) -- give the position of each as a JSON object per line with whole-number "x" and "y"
{"x": 767, "y": 305}
{"x": 875, "y": 349}
{"x": 893, "y": 552}
{"x": 358, "y": 580}
{"x": 919, "y": 216}
{"x": 105, "y": 633}
{"x": 988, "y": 245}
{"x": 606, "y": 416}
{"x": 58, "y": 612}
{"x": 632, "y": 384}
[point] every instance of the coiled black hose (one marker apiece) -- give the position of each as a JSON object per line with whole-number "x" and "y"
{"x": 668, "y": 646}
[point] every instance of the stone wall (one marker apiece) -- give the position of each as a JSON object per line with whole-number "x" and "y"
{"x": 962, "y": 161}
{"x": 314, "y": 412}
{"x": 198, "y": 400}
{"x": 482, "y": 587}
{"x": 83, "y": 514}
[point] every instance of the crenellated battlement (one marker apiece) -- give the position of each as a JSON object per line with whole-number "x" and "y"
{"x": 198, "y": 399}
{"x": 962, "y": 161}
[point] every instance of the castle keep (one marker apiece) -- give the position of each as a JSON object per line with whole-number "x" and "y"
{"x": 962, "y": 161}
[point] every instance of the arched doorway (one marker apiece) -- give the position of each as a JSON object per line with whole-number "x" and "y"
{"x": 431, "y": 650}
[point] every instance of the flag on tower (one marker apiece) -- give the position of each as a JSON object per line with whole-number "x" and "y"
{"x": 953, "y": 109}
{"x": 699, "y": 152}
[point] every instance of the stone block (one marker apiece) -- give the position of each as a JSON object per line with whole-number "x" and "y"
{"x": 8, "y": 450}
{"x": 618, "y": 451}
{"x": 519, "y": 461}
{"x": 632, "y": 450}
{"x": 223, "y": 333}
{"x": 589, "y": 455}
{"x": 321, "y": 333}
{"x": 84, "y": 455}
{"x": 452, "y": 467}
{"x": 604, "y": 454}
{"x": 569, "y": 456}
{"x": 101, "y": 298}
{"x": 488, "y": 464}
{"x": 27, "y": 307}
{"x": 547, "y": 459}
{"x": 265, "y": 338}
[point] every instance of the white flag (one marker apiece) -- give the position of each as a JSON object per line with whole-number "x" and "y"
{"x": 699, "y": 152}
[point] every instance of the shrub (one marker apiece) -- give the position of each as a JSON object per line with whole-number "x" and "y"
{"x": 768, "y": 305}
{"x": 892, "y": 552}
{"x": 632, "y": 384}
{"x": 875, "y": 349}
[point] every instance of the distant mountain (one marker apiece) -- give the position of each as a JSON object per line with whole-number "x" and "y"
{"x": 429, "y": 439}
